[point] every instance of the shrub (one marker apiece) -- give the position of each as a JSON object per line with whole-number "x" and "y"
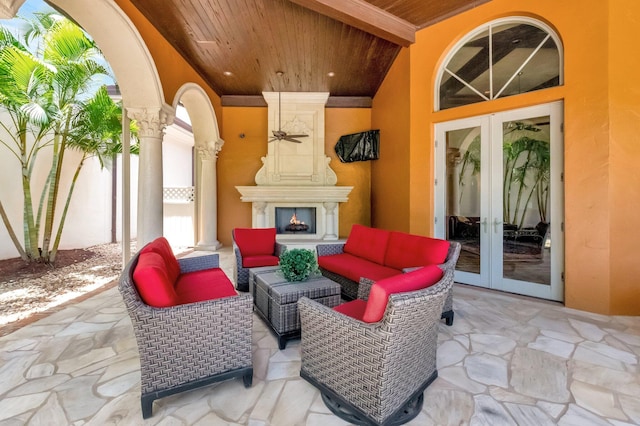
{"x": 298, "y": 264}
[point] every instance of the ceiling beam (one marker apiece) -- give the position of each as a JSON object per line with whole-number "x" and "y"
{"x": 365, "y": 17}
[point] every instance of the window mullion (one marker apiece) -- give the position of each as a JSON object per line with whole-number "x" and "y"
{"x": 524, "y": 64}
{"x": 467, "y": 84}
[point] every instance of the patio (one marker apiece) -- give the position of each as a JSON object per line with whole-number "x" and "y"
{"x": 506, "y": 360}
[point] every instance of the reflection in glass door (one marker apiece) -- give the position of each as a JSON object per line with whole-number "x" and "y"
{"x": 463, "y": 212}
{"x": 499, "y": 194}
{"x": 526, "y": 200}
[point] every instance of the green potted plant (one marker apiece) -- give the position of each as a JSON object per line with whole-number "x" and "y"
{"x": 298, "y": 264}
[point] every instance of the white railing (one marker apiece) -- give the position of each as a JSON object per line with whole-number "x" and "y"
{"x": 185, "y": 194}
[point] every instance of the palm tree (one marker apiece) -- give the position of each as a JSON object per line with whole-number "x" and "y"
{"x": 44, "y": 90}
{"x": 24, "y": 81}
{"x": 96, "y": 132}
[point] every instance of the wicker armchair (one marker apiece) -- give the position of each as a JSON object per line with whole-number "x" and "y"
{"x": 374, "y": 373}
{"x": 187, "y": 346}
{"x": 244, "y": 263}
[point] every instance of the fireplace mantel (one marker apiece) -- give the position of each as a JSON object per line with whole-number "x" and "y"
{"x": 310, "y": 194}
{"x": 325, "y": 199}
{"x": 296, "y": 175}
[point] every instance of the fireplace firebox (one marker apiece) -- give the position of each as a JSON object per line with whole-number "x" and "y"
{"x": 295, "y": 220}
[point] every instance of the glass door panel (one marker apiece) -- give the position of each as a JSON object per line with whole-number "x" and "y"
{"x": 463, "y": 194}
{"x": 462, "y": 212}
{"x": 526, "y": 200}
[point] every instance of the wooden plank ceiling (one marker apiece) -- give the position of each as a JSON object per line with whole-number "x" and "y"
{"x": 237, "y": 46}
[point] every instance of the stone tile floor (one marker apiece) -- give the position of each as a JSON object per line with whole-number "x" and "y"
{"x": 507, "y": 360}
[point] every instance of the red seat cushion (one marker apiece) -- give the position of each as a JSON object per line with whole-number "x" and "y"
{"x": 411, "y": 281}
{"x": 406, "y": 250}
{"x": 367, "y": 243}
{"x": 354, "y": 309}
{"x": 354, "y": 268}
{"x": 255, "y": 241}
{"x": 257, "y": 261}
{"x": 161, "y": 246}
{"x": 152, "y": 281}
{"x": 207, "y": 284}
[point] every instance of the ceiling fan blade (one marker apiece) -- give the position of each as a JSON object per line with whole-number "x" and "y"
{"x": 291, "y": 140}
{"x": 297, "y": 136}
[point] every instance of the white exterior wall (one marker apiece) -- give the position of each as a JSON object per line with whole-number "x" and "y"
{"x": 89, "y": 217}
{"x": 177, "y": 165}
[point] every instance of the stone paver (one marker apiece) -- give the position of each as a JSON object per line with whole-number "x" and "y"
{"x": 506, "y": 360}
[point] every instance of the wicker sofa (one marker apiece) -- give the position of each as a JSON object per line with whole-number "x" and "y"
{"x": 373, "y": 359}
{"x": 374, "y": 254}
{"x": 191, "y": 326}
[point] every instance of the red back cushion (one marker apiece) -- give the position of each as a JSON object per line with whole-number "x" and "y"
{"x": 367, "y": 243}
{"x": 161, "y": 246}
{"x": 354, "y": 309}
{"x": 153, "y": 283}
{"x": 411, "y": 281}
{"x": 255, "y": 241}
{"x": 406, "y": 251}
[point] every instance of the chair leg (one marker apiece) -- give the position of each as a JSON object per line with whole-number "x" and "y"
{"x": 147, "y": 406}
{"x": 448, "y": 318}
{"x": 247, "y": 379}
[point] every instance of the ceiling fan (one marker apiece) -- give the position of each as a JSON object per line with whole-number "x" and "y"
{"x": 281, "y": 135}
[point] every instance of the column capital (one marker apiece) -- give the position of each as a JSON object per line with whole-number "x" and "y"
{"x": 9, "y": 8}
{"x": 152, "y": 121}
{"x": 210, "y": 149}
{"x": 330, "y": 207}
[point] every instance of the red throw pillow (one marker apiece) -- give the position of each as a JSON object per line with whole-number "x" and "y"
{"x": 255, "y": 241}
{"x": 163, "y": 248}
{"x": 407, "y": 250}
{"x": 367, "y": 243}
{"x": 411, "y": 281}
{"x": 151, "y": 280}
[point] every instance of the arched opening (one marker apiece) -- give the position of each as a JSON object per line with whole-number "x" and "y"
{"x": 207, "y": 144}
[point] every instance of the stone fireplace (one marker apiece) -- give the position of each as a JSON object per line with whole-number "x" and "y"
{"x": 296, "y": 177}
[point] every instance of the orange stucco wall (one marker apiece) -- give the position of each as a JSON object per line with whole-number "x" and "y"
{"x": 624, "y": 148}
{"x": 601, "y": 128}
{"x": 390, "y": 175}
{"x": 239, "y": 161}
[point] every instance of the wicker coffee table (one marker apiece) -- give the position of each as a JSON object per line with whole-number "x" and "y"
{"x": 276, "y": 299}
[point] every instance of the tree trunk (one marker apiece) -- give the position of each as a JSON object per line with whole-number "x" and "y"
{"x": 12, "y": 234}
{"x": 56, "y": 243}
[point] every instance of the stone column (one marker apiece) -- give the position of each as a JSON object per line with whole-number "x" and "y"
{"x": 331, "y": 232}
{"x": 261, "y": 216}
{"x": 151, "y": 124}
{"x": 208, "y": 196}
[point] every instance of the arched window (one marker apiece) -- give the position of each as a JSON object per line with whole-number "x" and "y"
{"x": 505, "y": 57}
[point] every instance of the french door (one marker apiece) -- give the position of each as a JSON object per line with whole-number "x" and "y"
{"x": 499, "y": 193}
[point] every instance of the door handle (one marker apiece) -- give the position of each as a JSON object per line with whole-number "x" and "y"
{"x": 484, "y": 225}
{"x": 496, "y": 224}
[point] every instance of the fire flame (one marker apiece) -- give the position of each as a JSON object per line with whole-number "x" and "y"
{"x": 294, "y": 220}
